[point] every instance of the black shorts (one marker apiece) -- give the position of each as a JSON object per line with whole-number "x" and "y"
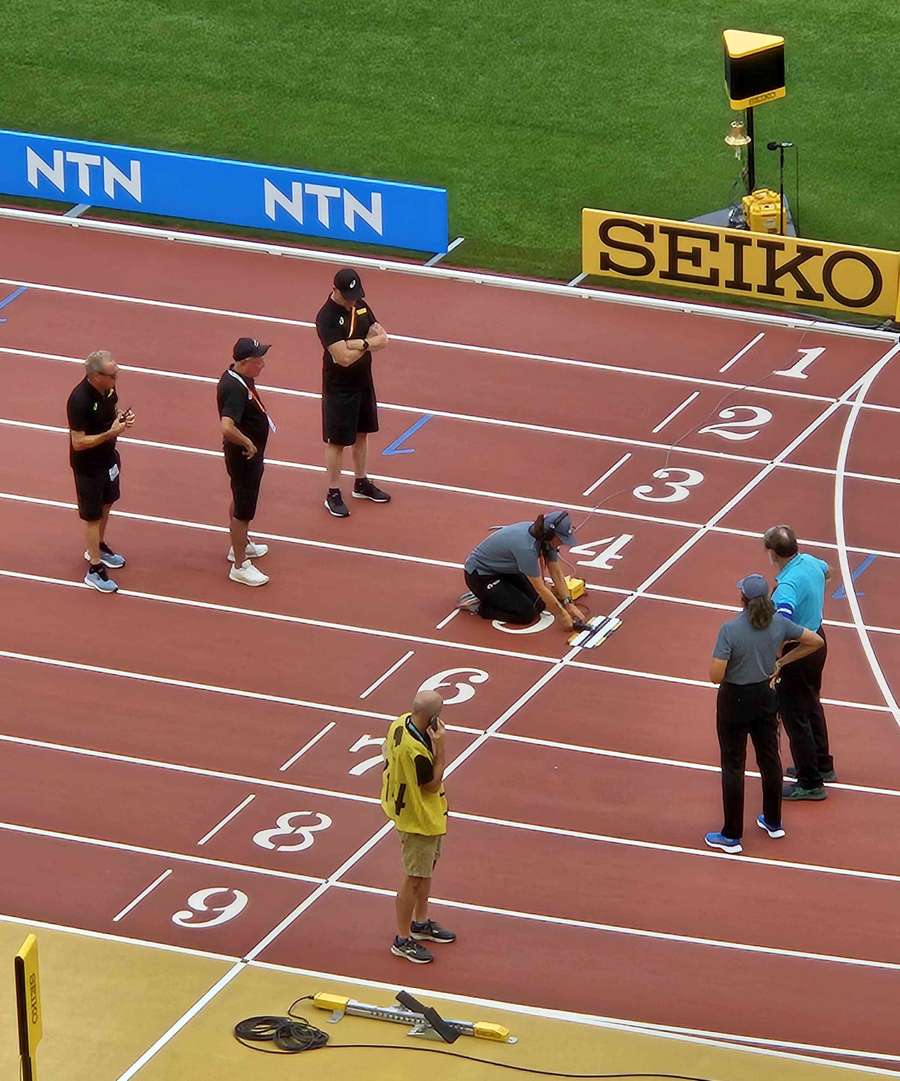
{"x": 246, "y": 477}
{"x": 95, "y": 491}
{"x": 346, "y": 413}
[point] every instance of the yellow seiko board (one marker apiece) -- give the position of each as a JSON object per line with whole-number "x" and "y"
{"x": 28, "y": 1002}
{"x": 754, "y": 68}
{"x": 759, "y": 266}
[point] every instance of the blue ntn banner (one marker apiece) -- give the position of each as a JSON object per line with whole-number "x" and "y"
{"x": 326, "y": 205}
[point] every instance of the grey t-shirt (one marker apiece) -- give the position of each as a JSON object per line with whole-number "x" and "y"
{"x": 751, "y": 653}
{"x": 509, "y": 550}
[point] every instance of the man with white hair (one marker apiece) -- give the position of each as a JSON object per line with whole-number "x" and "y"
{"x": 95, "y": 423}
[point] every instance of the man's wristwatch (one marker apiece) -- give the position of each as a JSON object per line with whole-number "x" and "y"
{"x": 565, "y": 600}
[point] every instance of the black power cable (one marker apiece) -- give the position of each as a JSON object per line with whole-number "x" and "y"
{"x": 294, "y": 1034}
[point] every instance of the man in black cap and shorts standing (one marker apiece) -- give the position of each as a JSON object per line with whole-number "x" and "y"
{"x": 245, "y": 431}
{"x": 349, "y": 333}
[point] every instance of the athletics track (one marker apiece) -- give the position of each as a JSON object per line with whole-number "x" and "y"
{"x": 153, "y": 742}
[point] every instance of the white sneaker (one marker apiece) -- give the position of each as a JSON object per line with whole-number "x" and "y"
{"x": 252, "y": 551}
{"x": 248, "y": 575}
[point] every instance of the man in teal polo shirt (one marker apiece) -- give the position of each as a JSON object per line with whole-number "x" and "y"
{"x": 800, "y": 596}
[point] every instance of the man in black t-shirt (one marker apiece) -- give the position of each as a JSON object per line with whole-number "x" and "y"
{"x": 245, "y": 431}
{"x": 349, "y": 333}
{"x": 95, "y": 422}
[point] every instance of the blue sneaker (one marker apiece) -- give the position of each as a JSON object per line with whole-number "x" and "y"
{"x": 100, "y": 580}
{"x": 731, "y": 845}
{"x": 773, "y": 831}
{"x": 108, "y": 557}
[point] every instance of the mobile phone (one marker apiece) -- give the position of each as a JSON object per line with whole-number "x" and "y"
{"x": 433, "y": 723}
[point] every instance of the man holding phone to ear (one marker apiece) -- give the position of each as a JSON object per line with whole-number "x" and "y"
{"x": 95, "y": 423}
{"x": 412, "y": 796}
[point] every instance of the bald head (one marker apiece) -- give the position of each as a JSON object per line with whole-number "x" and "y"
{"x": 781, "y": 541}
{"x": 427, "y": 704}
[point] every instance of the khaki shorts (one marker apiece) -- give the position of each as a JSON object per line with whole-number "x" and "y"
{"x": 420, "y": 853}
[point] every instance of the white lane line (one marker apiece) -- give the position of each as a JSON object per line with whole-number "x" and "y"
{"x": 402, "y": 557}
{"x": 504, "y": 497}
{"x": 447, "y": 619}
{"x": 636, "y": 932}
{"x": 144, "y": 893}
{"x": 840, "y": 534}
{"x": 306, "y": 746}
{"x": 456, "y": 275}
{"x": 144, "y": 850}
{"x": 465, "y": 347}
{"x": 387, "y": 674}
{"x": 678, "y": 408}
{"x": 577, "y": 280}
{"x": 435, "y": 259}
{"x": 281, "y": 617}
{"x": 606, "y": 475}
{"x": 741, "y": 352}
{"x": 224, "y": 822}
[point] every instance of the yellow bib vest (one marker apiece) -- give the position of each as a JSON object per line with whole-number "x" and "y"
{"x": 404, "y": 801}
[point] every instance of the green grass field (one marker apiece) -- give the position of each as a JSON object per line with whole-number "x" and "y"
{"x": 525, "y": 112}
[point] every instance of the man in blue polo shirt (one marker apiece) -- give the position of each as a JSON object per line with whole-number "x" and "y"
{"x": 800, "y": 596}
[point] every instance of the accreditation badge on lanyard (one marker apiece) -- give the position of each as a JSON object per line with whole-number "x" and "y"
{"x": 254, "y": 394}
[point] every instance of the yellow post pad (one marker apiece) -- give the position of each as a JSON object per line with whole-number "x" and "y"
{"x": 326, "y": 1001}
{"x": 575, "y": 586}
{"x": 487, "y": 1030}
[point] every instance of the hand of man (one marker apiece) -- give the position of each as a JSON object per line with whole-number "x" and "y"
{"x": 437, "y": 733}
{"x": 118, "y": 425}
{"x": 565, "y": 620}
{"x": 250, "y": 451}
{"x": 575, "y": 612}
{"x": 776, "y": 674}
{"x": 128, "y": 417}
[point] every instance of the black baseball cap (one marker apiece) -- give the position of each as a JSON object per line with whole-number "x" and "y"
{"x": 249, "y": 347}
{"x": 347, "y": 283}
{"x": 561, "y": 524}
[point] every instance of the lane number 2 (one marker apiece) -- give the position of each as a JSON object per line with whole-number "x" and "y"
{"x": 750, "y": 425}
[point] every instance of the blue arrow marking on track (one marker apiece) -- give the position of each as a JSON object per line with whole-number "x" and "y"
{"x": 840, "y": 594}
{"x": 12, "y": 296}
{"x": 397, "y": 446}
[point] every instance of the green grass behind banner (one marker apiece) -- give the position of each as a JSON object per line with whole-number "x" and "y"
{"x": 525, "y": 111}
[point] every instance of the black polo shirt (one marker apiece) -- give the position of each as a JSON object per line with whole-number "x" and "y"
{"x": 335, "y": 324}
{"x": 91, "y": 411}
{"x": 235, "y": 400}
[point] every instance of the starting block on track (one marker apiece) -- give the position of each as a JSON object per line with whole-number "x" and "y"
{"x": 599, "y": 628}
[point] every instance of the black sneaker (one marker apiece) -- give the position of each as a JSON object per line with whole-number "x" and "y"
{"x": 429, "y": 931}
{"x": 411, "y": 950}
{"x": 798, "y": 792}
{"x": 363, "y": 488}
{"x": 334, "y": 503}
{"x": 828, "y": 775}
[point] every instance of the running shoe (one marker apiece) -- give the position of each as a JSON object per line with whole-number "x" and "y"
{"x": 798, "y": 792}
{"x": 411, "y": 950}
{"x": 363, "y": 488}
{"x": 108, "y": 557}
{"x": 100, "y": 580}
{"x": 429, "y": 931}
{"x": 252, "y": 551}
{"x": 828, "y": 775}
{"x": 334, "y": 504}
{"x": 731, "y": 845}
{"x": 773, "y": 831}
{"x": 248, "y": 575}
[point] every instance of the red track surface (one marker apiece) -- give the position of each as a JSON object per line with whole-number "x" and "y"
{"x": 575, "y": 870}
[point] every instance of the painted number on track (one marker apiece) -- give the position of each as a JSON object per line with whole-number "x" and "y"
{"x": 678, "y": 482}
{"x": 602, "y": 559}
{"x": 798, "y": 370}
{"x": 287, "y": 827}
{"x": 367, "y": 763}
{"x": 736, "y": 417}
{"x": 232, "y": 903}
{"x": 464, "y": 688}
{"x": 545, "y": 621}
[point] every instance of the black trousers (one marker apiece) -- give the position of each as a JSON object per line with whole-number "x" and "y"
{"x": 748, "y": 710}
{"x": 510, "y": 597}
{"x": 803, "y": 717}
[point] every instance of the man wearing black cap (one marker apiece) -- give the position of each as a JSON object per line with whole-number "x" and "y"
{"x": 245, "y": 430}
{"x": 349, "y": 333}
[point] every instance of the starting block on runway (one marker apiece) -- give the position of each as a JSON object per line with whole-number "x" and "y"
{"x": 598, "y": 629}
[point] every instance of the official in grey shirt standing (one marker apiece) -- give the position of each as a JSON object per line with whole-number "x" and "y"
{"x": 745, "y": 664}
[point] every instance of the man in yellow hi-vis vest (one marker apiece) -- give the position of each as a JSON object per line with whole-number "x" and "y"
{"x": 412, "y": 795}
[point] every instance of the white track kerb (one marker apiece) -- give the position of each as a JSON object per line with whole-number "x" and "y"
{"x": 859, "y": 388}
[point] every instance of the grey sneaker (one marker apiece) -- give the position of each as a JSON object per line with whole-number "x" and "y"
{"x": 363, "y": 488}
{"x": 429, "y": 931}
{"x": 100, "y": 580}
{"x": 798, "y": 792}
{"x": 335, "y": 505}
{"x": 411, "y": 950}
